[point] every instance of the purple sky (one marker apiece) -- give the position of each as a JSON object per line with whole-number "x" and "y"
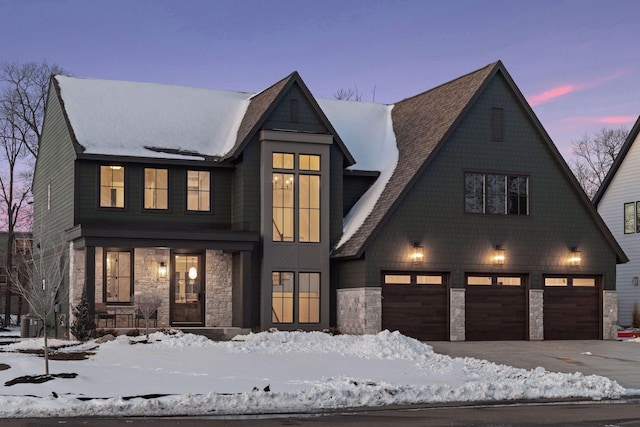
{"x": 576, "y": 61}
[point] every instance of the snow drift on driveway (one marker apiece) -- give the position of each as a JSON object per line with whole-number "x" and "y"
{"x": 270, "y": 372}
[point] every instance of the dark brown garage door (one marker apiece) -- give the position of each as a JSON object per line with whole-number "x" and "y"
{"x": 495, "y": 308}
{"x": 416, "y": 304}
{"x": 571, "y": 308}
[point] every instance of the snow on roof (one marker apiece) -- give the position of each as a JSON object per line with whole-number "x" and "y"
{"x": 122, "y": 118}
{"x": 367, "y": 131}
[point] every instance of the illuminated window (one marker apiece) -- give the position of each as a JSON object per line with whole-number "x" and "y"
{"x": 283, "y": 210}
{"x": 282, "y": 297}
{"x": 156, "y": 188}
{"x": 414, "y": 279}
{"x": 309, "y": 162}
{"x": 571, "y": 281}
{"x": 309, "y": 298}
{"x": 309, "y": 211}
{"x": 112, "y": 186}
{"x": 198, "y": 191}
{"x": 495, "y": 280}
{"x": 117, "y": 277}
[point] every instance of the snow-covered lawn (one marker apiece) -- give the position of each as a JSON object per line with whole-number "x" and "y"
{"x": 267, "y": 373}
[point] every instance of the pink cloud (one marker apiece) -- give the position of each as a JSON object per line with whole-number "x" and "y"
{"x": 562, "y": 90}
{"x": 616, "y": 120}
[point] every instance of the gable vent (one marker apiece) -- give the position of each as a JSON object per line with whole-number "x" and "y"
{"x": 497, "y": 124}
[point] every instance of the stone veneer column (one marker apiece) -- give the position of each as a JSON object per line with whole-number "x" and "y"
{"x": 457, "y": 314}
{"x": 219, "y": 290}
{"x": 360, "y": 310}
{"x": 609, "y": 315}
{"x": 76, "y": 278}
{"x": 146, "y": 280}
{"x": 536, "y": 314}
{"x": 99, "y": 274}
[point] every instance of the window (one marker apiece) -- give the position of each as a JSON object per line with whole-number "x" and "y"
{"x": 571, "y": 281}
{"x": 198, "y": 191}
{"x": 496, "y": 194}
{"x": 285, "y": 198}
{"x": 282, "y": 297}
{"x": 117, "y": 277}
{"x": 112, "y": 186}
{"x": 309, "y": 298}
{"x": 632, "y": 218}
{"x": 156, "y": 188}
{"x": 420, "y": 279}
{"x": 495, "y": 280}
{"x": 49, "y": 196}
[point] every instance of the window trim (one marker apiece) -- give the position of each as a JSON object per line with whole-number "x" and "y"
{"x": 413, "y": 278}
{"x": 112, "y": 166}
{"x": 508, "y": 177}
{"x": 570, "y": 277}
{"x": 145, "y": 188}
{"x": 210, "y": 191}
{"x": 524, "y": 280}
{"x": 295, "y": 300}
{"x": 632, "y": 229}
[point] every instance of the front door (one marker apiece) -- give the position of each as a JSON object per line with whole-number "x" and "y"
{"x": 187, "y": 290}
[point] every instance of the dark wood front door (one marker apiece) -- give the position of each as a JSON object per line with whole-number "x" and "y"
{"x": 187, "y": 290}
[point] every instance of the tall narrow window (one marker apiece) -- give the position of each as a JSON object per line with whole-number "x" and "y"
{"x": 156, "y": 188}
{"x": 282, "y": 297}
{"x": 309, "y": 212}
{"x": 474, "y": 193}
{"x": 518, "y": 202}
{"x": 112, "y": 186}
{"x": 283, "y": 192}
{"x": 496, "y": 192}
{"x": 497, "y": 124}
{"x": 309, "y": 298}
{"x": 117, "y": 274}
{"x": 49, "y": 196}
{"x": 629, "y": 218}
{"x": 198, "y": 191}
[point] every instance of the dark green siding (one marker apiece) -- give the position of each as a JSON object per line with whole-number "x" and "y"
{"x": 134, "y": 214}
{"x": 336, "y": 190}
{"x": 246, "y": 191}
{"x": 308, "y": 120}
{"x": 433, "y": 210}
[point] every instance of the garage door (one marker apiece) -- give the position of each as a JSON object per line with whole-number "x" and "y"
{"x": 495, "y": 308}
{"x": 416, "y": 304}
{"x": 571, "y": 308}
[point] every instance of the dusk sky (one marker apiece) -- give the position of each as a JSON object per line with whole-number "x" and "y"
{"x": 576, "y": 62}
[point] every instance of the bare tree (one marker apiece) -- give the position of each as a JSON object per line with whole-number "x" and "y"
{"x": 348, "y": 94}
{"x": 23, "y": 91}
{"x": 594, "y": 156}
{"x": 148, "y": 304}
{"x": 40, "y": 283}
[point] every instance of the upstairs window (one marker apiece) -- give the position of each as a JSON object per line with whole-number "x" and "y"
{"x": 497, "y": 124}
{"x": 112, "y": 186}
{"x": 156, "y": 188}
{"x": 632, "y": 218}
{"x": 198, "y": 191}
{"x": 496, "y": 194}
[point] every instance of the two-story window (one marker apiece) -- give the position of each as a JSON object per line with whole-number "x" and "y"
{"x": 112, "y": 186}
{"x": 632, "y": 217}
{"x": 156, "y": 188}
{"x": 290, "y": 205}
{"x": 496, "y": 194}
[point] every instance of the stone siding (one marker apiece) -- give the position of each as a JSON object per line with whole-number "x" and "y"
{"x": 146, "y": 281}
{"x": 457, "y": 309}
{"x": 536, "y": 315}
{"x": 360, "y": 310}
{"x": 610, "y": 315}
{"x": 219, "y": 291}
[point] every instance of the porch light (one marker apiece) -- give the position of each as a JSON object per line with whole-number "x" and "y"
{"x": 417, "y": 253}
{"x": 193, "y": 273}
{"x": 498, "y": 255}
{"x": 162, "y": 270}
{"x": 575, "y": 258}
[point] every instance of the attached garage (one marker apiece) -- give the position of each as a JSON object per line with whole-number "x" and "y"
{"x": 416, "y": 304}
{"x": 495, "y": 308}
{"x": 572, "y": 308}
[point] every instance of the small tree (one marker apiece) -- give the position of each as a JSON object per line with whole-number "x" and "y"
{"x": 42, "y": 281}
{"x": 84, "y": 324}
{"x": 148, "y": 305}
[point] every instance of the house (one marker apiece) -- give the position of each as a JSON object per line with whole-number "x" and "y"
{"x": 448, "y": 216}
{"x": 618, "y": 202}
{"x": 20, "y": 247}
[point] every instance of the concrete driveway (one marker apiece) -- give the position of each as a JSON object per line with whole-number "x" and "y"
{"x": 617, "y": 360}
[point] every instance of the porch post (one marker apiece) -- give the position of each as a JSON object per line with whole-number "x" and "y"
{"x": 90, "y": 277}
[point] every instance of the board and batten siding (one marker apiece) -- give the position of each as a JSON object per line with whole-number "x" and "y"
{"x": 624, "y": 188}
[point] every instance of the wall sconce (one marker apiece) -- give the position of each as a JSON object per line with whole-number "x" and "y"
{"x": 162, "y": 270}
{"x": 417, "y": 253}
{"x": 498, "y": 255}
{"x": 575, "y": 258}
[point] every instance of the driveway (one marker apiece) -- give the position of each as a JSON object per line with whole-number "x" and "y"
{"x": 618, "y": 360}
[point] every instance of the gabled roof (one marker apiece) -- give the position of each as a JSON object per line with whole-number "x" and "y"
{"x": 420, "y": 124}
{"x": 617, "y": 162}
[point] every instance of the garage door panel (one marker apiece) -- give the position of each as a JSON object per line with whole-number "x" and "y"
{"x": 417, "y": 311}
{"x": 495, "y": 313}
{"x": 571, "y": 313}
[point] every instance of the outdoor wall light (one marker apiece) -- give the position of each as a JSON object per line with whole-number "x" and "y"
{"x": 162, "y": 270}
{"x": 417, "y": 253}
{"x": 575, "y": 258}
{"x": 498, "y": 255}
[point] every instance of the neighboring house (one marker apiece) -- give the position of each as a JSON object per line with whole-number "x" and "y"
{"x": 448, "y": 215}
{"x": 21, "y": 249}
{"x": 618, "y": 202}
